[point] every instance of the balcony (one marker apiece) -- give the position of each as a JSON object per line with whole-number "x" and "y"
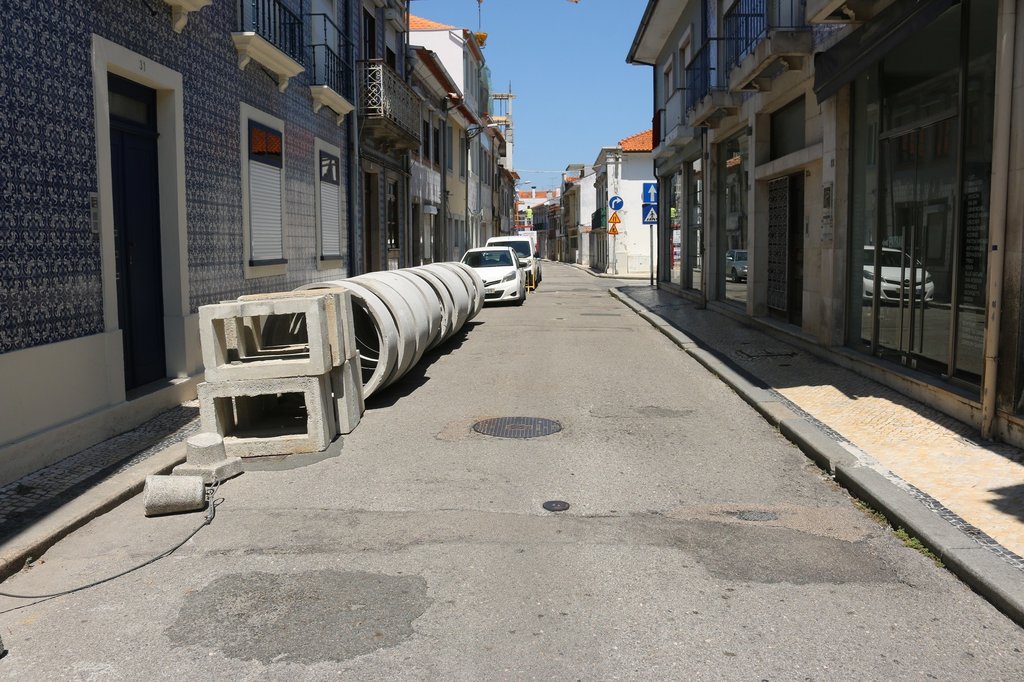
{"x": 597, "y": 219}
{"x": 676, "y": 131}
{"x": 271, "y": 34}
{"x": 388, "y": 107}
{"x": 706, "y": 98}
{"x": 332, "y": 74}
{"x": 763, "y": 39}
{"x": 843, "y": 11}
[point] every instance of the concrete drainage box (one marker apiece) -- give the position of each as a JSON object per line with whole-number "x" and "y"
{"x": 260, "y": 417}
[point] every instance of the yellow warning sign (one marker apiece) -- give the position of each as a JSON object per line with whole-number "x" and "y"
{"x": 615, "y": 219}
{"x": 613, "y": 230}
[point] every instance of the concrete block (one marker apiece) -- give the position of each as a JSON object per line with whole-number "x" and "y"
{"x": 340, "y": 326}
{"x": 280, "y": 416}
{"x": 204, "y": 448}
{"x": 347, "y": 387}
{"x": 213, "y": 472}
{"x": 173, "y": 494}
{"x": 297, "y": 329}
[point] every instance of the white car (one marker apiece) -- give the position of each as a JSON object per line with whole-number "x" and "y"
{"x": 526, "y": 249}
{"x": 504, "y": 275}
{"x": 895, "y": 270}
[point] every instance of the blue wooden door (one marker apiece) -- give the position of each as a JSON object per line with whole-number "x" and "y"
{"x": 133, "y": 146}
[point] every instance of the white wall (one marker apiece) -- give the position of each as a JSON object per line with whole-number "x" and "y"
{"x": 633, "y": 243}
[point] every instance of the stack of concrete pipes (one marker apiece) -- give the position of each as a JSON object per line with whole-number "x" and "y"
{"x": 287, "y": 372}
{"x": 401, "y": 314}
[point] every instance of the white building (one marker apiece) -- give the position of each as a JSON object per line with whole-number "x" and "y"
{"x": 622, "y": 172}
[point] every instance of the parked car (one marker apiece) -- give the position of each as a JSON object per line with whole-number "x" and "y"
{"x": 526, "y": 249}
{"x": 503, "y": 273}
{"x": 896, "y": 267}
{"x": 736, "y": 265}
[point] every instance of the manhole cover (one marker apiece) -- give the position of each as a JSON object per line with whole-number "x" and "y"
{"x": 517, "y": 427}
{"x": 750, "y": 515}
{"x": 555, "y": 505}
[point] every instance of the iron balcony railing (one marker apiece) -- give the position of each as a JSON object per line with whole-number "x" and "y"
{"x": 748, "y": 21}
{"x": 331, "y": 63}
{"x": 702, "y": 74}
{"x": 275, "y": 23}
{"x": 384, "y": 95}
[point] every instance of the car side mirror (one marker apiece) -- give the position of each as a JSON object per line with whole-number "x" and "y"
{"x": 522, "y": 264}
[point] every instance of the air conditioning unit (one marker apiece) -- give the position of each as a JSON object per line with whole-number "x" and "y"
{"x": 396, "y": 18}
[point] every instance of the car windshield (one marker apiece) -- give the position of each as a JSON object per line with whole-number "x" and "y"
{"x": 488, "y": 259}
{"x": 890, "y": 258}
{"x": 521, "y": 247}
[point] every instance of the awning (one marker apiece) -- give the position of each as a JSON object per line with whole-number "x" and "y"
{"x": 851, "y": 56}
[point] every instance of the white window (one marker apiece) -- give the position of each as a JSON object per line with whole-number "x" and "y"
{"x": 263, "y": 192}
{"x": 329, "y": 207}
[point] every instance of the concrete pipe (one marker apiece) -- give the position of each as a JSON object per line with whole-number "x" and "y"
{"x": 455, "y": 312}
{"x": 431, "y": 303}
{"x": 380, "y": 347}
{"x": 173, "y": 494}
{"x": 411, "y": 323}
{"x": 456, "y": 286}
{"x": 475, "y": 291}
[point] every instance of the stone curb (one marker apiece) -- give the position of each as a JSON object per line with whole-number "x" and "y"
{"x": 34, "y": 540}
{"x": 984, "y": 572}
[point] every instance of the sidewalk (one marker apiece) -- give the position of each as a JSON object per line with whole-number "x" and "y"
{"x": 927, "y": 472}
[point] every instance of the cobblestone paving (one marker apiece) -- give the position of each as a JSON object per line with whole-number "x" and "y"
{"x": 38, "y": 493}
{"x": 975, "y": 485}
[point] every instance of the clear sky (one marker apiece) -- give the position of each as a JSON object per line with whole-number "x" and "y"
{"x": 566, "y": 62}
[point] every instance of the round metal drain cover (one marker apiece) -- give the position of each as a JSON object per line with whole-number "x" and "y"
{"x": 555, "y": 505}
{"x": 750, "y": 515}
{"x": 517, "y": 427}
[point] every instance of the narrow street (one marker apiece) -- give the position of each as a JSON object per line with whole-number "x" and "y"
{"x": 699, "y": 543}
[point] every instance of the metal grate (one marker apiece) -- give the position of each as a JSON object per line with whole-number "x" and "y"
{"x": 517, "y": 427}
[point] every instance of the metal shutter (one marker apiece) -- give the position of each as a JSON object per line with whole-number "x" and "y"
{"x": 265, "y": 224}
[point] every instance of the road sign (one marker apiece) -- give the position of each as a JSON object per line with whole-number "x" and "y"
{"x": 650, "y": 214}
{"x": 614, "y": 219}
{"x": 616, "y": 203}
{"x": 613, "y": 230}
{"x": 650, "y": 193}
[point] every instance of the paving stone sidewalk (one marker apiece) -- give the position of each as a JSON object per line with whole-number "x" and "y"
{"x": 974, "y": 485}
{"x": 34, "y": 496}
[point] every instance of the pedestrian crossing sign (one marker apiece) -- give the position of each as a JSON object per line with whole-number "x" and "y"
{"x": 650, "y": 214}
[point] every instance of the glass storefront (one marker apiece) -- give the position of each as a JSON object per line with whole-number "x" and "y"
{"x": 674, "y": 243}
{"x": 733, "y": 182}
{"x": 921, "y": 162}
{"x": 684, "y": 243}
{"x": 694, "y": 225}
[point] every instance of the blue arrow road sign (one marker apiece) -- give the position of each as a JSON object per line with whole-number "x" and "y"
{"x": 616, "y": 203}
{"x": 650, "y": 193}
{"x": 651, "y": 214}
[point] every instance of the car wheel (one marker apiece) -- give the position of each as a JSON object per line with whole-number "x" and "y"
{"x": 735, "y": 276}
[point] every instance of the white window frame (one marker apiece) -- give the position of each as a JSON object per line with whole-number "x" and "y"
{"x": 329, "y": 261}
{"x": 246, "y": 114}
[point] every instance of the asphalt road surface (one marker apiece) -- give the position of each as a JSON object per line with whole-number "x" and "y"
{"x": 699, "y": 543}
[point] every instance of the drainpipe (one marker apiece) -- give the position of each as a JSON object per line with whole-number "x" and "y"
{"x": 997, "y": 215}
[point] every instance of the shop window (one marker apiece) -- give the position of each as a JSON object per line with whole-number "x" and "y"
{"x": 787, "y": 129}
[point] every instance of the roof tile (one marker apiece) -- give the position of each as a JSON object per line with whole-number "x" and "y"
{"x": 641, "y": 142}
{"x": 421, "y": 24}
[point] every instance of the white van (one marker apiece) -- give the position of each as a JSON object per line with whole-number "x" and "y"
{"x": 526, "y": 249}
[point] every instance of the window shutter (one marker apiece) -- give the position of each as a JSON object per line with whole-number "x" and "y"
{"x": 265, "y": 219}
{"x": 330, "y": 220}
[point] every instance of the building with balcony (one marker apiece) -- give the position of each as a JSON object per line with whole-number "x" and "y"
{"x": 856, "y": 156}
{"x": 390, "y": 127}
{"x": 198, "y": 153}
{"x": 469, "y": 222}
